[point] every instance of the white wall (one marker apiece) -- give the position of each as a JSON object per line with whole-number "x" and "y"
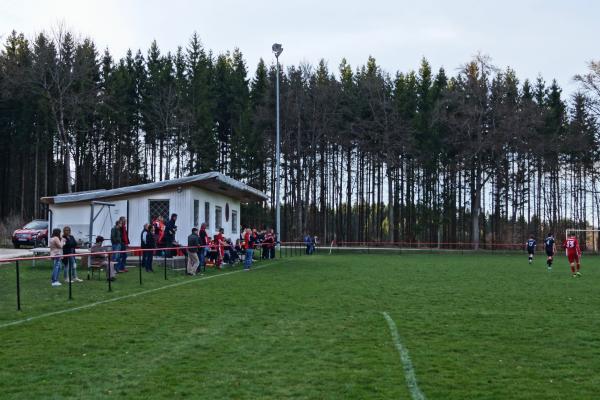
{"x": 77, "y": 216}
{"x": 214, "y": 200}
{"x": 181, "y": 203}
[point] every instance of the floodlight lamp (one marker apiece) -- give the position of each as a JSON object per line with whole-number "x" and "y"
{"x": 277, "y": 49}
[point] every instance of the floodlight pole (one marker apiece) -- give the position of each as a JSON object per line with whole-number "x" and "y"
{"x": 277, "y": 49}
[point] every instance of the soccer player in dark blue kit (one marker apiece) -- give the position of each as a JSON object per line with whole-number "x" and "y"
{"x": 531, "y": 243}
{"x": 550, "y": 245}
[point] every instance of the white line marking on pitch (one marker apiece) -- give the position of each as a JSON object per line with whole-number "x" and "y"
{"x": 409, "y": 371}
{"x": 21, "y": 321}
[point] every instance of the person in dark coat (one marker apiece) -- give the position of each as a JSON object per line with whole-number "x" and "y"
{"x": 193, "y": 243}
{"x": 115, "y": 240}
{"x": 69, "y": 246}
{"x": 169, "y": 237}
{"x": 273, "y": 244}
{"x": 148, "y": 241}
{"x": 204, "y": 240}
{"x": 122, "y": 266}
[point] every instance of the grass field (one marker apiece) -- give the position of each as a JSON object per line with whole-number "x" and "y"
{"x": 475, "y": 327}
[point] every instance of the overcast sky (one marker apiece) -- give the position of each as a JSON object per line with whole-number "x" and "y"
{"x": 554, "y": 38}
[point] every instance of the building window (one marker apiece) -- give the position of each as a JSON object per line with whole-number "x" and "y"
{"x": 207, "y": 214}
{"x": 196, "y": 212}
{"x": 156, "y": 208}
{"x": 234, "y": 228}
{"x": 218, "y": 215}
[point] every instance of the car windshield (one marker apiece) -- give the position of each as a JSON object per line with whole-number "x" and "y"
{"x": 36, "y": 225}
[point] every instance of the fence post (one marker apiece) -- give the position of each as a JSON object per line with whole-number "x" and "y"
{"x": 165, "y": 265}
{"x": 18, "y": 288}
{"x": 108, "y": 277}
{"x": 140, "y": 264}
{"x": 70, "y": 278}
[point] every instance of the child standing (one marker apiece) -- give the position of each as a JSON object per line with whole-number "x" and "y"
{"x": 531, "y": 243}
{"x": 550, "y": 250}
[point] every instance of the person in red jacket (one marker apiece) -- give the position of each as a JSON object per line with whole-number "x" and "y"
{"x": 213, "y": 253}
{"x": 249, "y": 240}
{"x": 268, "y": 244}
{"x": 220, "y": 241}
{"x": 573, "y": 251}
{"x": 159, "y": 228}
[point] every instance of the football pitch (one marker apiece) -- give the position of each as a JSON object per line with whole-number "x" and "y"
{"x": 350, "y": 326}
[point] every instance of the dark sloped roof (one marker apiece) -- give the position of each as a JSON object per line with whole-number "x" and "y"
{"x": 212, "y": 181}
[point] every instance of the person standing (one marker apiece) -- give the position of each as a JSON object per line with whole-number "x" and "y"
{"x": 124, "y": 243}
{"x": 550, "y": 250}
{"x": 204, "y": 242}
{"x": 267, "y": 244}
{"x": 159, "y": 230}
{"x": 56, "y": 251}
{"x": 273, "y": 244}
{"x": 261, "y": 235}
{"x": 220, "y": 240}
{"x": 573, "y": 251}
{"x": 169, "y": 237}
{"x": 249, "y": 240}
{"x": 115, "y": 241}
{"x": 192, "y": 261}
{"x": 69, "y": 246}
{"x": 147, "y": 242}
{"x": 102, "y": 259}
{"x": 308, "y": 243}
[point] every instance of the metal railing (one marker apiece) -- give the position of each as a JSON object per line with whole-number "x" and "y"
{"x": 135, "y": 252}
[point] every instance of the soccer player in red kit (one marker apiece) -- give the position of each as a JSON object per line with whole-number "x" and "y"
{"x": 571, "y": 246}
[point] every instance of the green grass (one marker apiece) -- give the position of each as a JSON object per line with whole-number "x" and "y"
{"x": 476, "y": 327}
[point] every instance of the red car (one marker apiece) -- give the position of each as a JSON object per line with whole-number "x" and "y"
{"x": 34, "y": 233}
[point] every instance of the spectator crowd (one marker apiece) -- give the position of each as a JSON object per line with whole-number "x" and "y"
{"x": 159, "y": 238}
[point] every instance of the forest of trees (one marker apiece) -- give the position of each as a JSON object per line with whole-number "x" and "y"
{"x": 475, "y": 156}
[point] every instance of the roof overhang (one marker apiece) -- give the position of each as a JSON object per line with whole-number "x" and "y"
{"x": 211, "y": 181}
